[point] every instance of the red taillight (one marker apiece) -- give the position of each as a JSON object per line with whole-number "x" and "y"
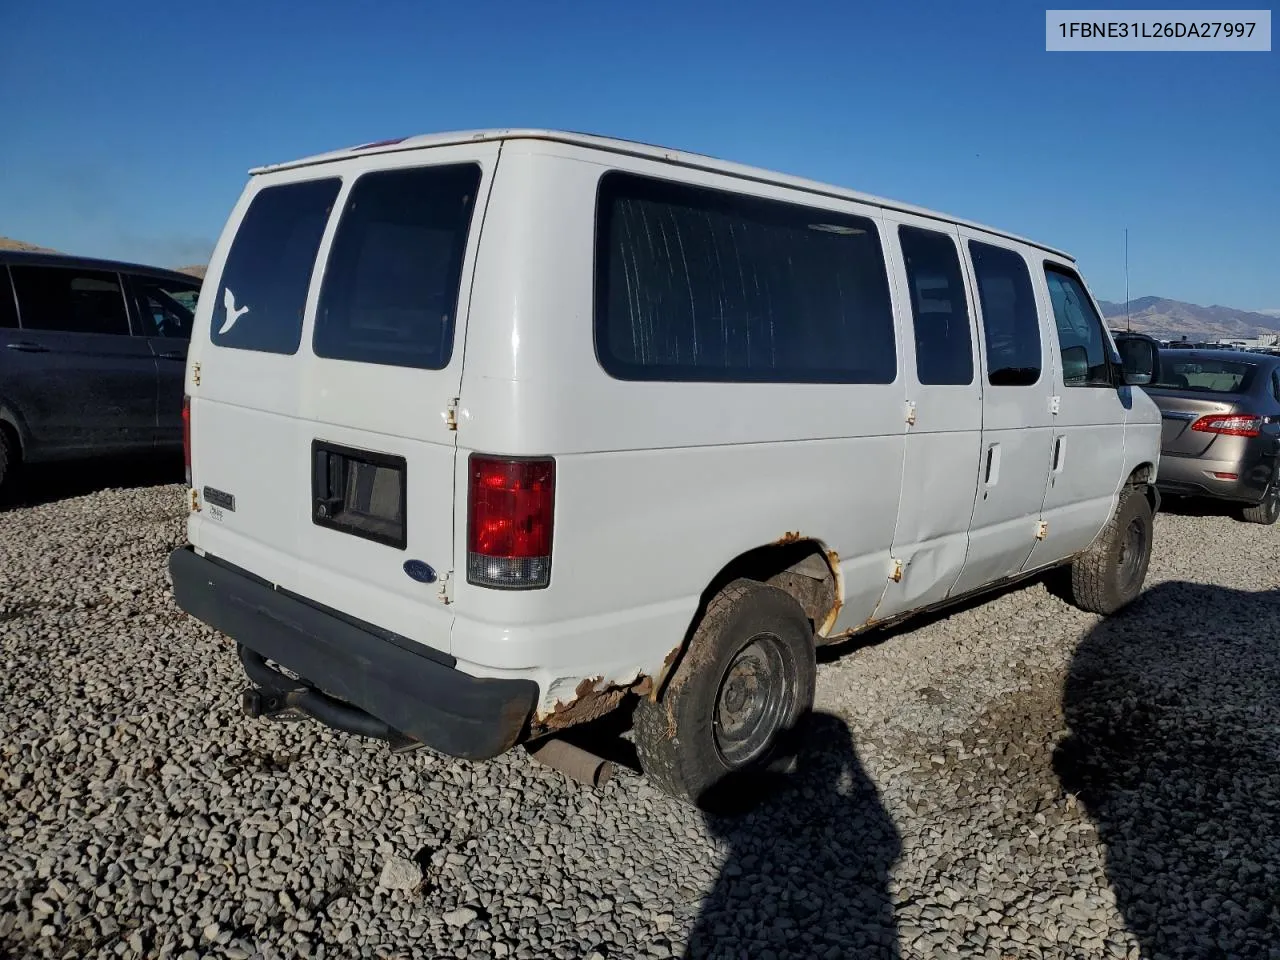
{"x": 510, "y": 508}
{"x": 186, "y": 437}
{"x": 1230, "y": 424}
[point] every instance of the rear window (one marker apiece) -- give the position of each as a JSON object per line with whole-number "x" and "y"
{"x": 390, "y": 290}
{"x": 70, "y": 300}
{"x": 263, "y": 290}
{"x": 1204, "y": 375}
{"x": 702, "y": 285}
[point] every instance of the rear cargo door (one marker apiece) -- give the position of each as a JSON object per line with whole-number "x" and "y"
{"x": 327, "y": 355}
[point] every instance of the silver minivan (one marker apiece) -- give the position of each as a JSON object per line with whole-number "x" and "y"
{"x": 494, "y": 433}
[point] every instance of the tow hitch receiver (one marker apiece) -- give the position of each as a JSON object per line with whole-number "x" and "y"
{"x": 280, "y": 697}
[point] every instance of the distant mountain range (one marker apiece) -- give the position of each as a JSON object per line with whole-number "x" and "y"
{"x": 196, "y": 270}
{"x": 1172, "y": 319}
{"x": 7, "y": 244}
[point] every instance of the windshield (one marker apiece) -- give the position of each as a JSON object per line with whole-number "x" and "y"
{"x": 1204, "y": 375}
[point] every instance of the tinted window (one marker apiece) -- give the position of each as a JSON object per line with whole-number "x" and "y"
{"x": 1081, "y": 340}
{"x": 1275, "y": 383}
{"x": 1010, "y": 325}
{"x": 702, "y": 285}
{"x": 166, "y": 307}
{"x": 73, "y": 301}
{"x": 264, "y": 283}
{"x": 391, "y": 286}
{"x": 944, "y": 350}
{"x": 8, "y": 312}
{"x": 1205, "y": 375}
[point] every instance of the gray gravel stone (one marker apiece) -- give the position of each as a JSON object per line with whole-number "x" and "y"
{"x": 1014, "y": 779}
{"x": 400, "y": 874}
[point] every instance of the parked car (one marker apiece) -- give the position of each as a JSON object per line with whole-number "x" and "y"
{"x": 1221, "y": 439}
{"x": 710, "y": 418}
{"x": 92, "y": 357}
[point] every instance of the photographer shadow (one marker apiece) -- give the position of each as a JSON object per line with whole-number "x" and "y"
{"x": 1174, "y": 750}
{"x": 807, "y": 869}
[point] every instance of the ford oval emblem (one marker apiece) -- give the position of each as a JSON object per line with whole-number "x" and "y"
{"x": 419, "y": 571}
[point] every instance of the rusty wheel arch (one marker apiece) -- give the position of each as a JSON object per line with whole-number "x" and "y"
{"x": 803, "y": 566}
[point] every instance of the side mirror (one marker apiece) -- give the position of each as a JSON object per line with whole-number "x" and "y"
{"x": 1139, "y": 362}
{"x": 1075, "y": 365}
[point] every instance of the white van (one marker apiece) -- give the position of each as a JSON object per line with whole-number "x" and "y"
{"x": 493, "y": 433}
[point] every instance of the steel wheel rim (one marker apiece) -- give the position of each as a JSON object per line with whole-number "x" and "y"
{"x": 753, "y": 700}
{"x": 1132, "y": 547}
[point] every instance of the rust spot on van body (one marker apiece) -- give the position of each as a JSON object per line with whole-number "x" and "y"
{"x": 591, "y": 700}
{"x": 833, "y": 560}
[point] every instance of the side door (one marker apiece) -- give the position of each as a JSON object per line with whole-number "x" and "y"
{"x": 944, "y": 412}
{"x": 164, "y": 310}
{"x": 1087, "y": 458}
{"x": 85, "y": 385}
{"x": 1017, "y": 422}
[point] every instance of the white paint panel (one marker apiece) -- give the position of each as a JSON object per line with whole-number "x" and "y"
{"x": 1017, "y": 438}
{"x": 940, "y": 472}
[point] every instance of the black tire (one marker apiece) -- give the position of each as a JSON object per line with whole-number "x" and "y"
{"x": 1267, "y": 511}
{"x": 8, "y": 463}
{"x": 1108, "y": 576}
{"x": 702, "y": 741}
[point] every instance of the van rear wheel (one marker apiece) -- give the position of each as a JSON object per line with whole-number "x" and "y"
{"x": 727, "y": 718}
{"x": 1109, "y": 575}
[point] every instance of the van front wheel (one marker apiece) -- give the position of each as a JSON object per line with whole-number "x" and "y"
{"x": 727, "y": 717}
{"x": 1109, "y": 575}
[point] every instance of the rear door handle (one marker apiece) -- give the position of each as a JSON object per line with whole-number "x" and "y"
{"x": 172, "y": 355}
{"x": 26, "y": 346}
{"x": 992, "y": 473}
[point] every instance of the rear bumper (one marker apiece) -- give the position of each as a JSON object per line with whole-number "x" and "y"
{"x": 1194, "y": 477}
{"x": 412, "y": 689}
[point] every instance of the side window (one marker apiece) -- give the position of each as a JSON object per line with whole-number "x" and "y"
{"x": 390, "y": 289}
{"x": 1010, "y": 324}
{"x": 1081, "y": 339}
{"x": 944, "y": 349}
{"x": 8, "y": 311}
{"x": 694, "y": 284}
{"x": 263, "y": 289}
{"x": 166, "y": 308}
{"x": 1275, "y": 383}
{"x": 70, "y": 300}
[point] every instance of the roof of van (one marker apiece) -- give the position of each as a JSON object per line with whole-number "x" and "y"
{"x": 45, "y": 258}
{"x": 649, "y": 151}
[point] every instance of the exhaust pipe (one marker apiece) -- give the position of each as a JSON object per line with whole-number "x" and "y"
{"x": 574, "y": 762}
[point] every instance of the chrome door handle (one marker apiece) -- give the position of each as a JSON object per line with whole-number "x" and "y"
{"x": 26, "y": 346}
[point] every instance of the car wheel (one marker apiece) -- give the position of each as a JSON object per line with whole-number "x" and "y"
{"x": 727, "y": 718}
{"x": 1109, "y": 575}
{"x": 8, "y": 462}
{"x": 1266, "y": 511}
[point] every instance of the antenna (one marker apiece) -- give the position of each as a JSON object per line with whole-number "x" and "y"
{"x": 1127, "y": 326}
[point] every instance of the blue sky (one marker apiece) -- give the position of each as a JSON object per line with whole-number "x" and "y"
{"x": 129, "y": 126}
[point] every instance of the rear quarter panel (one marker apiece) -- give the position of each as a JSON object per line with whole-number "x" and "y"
{"x": 659, "y": 485}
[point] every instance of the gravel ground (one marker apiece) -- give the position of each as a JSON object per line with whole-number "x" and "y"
{"x": 1015, "y": 780}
